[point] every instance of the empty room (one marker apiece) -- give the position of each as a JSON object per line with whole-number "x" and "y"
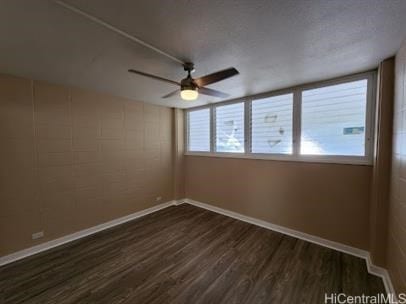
{"x": 190, "y": 151}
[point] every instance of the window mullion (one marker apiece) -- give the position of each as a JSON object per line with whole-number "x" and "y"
{"x": 247, "y": 126}
{"x": 297, "y": 121}
{"x": 212, "y": 129}
{"x": 326, "y": 112}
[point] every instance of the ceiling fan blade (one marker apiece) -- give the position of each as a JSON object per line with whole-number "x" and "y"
{"x": 211, "y": 92}
{"x": 171, "y": 94}
{"x": 215, "y": 77}
{"x": 154, "y": 77}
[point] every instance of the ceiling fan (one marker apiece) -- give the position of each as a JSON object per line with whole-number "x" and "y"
{"x": 191, "y": 87}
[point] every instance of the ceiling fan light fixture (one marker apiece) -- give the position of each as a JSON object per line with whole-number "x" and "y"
{"x": 189, "y": 87}
{"x": 189, "y": 94}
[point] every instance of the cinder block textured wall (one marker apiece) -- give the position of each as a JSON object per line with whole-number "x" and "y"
{"x": 71, "y": 159}
{"x": 396, "y": 247}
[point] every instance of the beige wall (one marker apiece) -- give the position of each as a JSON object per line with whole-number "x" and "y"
{"x": 396, "y": 248}
{"x": 327, "y": 200}
{"x": 179, "y": 150}
{"x": 71, "y": 159}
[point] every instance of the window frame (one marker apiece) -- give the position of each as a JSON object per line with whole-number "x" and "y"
{"x": 187, "y": 130}
{"x": 367, "y": 159}
{"x": 261, "y": 96}
{"x": 213, "y": 134}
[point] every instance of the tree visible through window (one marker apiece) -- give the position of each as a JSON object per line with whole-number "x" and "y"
{"x": 230, "y": 128}
{"x": 328, "y": 122}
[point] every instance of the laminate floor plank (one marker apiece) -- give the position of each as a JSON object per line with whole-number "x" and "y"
{"x": 184, "y": 254}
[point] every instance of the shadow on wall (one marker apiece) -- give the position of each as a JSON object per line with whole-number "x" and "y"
{"x": 72, "y": 159}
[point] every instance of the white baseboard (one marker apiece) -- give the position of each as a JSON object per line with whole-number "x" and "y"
{"x": 373, "y": 269}
{"x": 80, "y": 234}
{"x": 384, "y": 274}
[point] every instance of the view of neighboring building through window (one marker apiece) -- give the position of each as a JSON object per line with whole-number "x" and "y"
{"x": 230, "y": 128}
{"x": 271, "y": 124}
{"x": 333, "y": 119}
{"x": 199, "y": 130}
{"x": 328, "y": 122}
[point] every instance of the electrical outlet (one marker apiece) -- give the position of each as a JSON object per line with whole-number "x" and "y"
{"x": 37, "y": 235}
{"x": 158, "y": 199}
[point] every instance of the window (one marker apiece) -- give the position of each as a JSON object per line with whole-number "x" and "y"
{"x": 330, "y": 121}
{"x": 199, "y": 130}
{"x": 271, "y": 124}
{"x": 230, "y": 128}
{"x": 334, "y": 119}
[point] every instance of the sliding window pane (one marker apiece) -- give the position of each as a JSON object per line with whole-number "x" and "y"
{"x": 199, "y": 130}
{"x": 230, "y": 128}
{"x": 334, "y": 119}
{"x": 271, "y": 125}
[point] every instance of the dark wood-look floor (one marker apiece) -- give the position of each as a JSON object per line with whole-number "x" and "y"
{"x": 185, "y": 254}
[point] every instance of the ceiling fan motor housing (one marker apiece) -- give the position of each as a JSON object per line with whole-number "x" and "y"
{"x": 188, "y": 84}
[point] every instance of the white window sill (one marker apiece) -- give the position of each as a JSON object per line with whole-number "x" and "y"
{"x": 348, "y": 160}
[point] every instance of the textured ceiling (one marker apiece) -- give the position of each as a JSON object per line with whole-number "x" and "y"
{"x": 274, "y": 44}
